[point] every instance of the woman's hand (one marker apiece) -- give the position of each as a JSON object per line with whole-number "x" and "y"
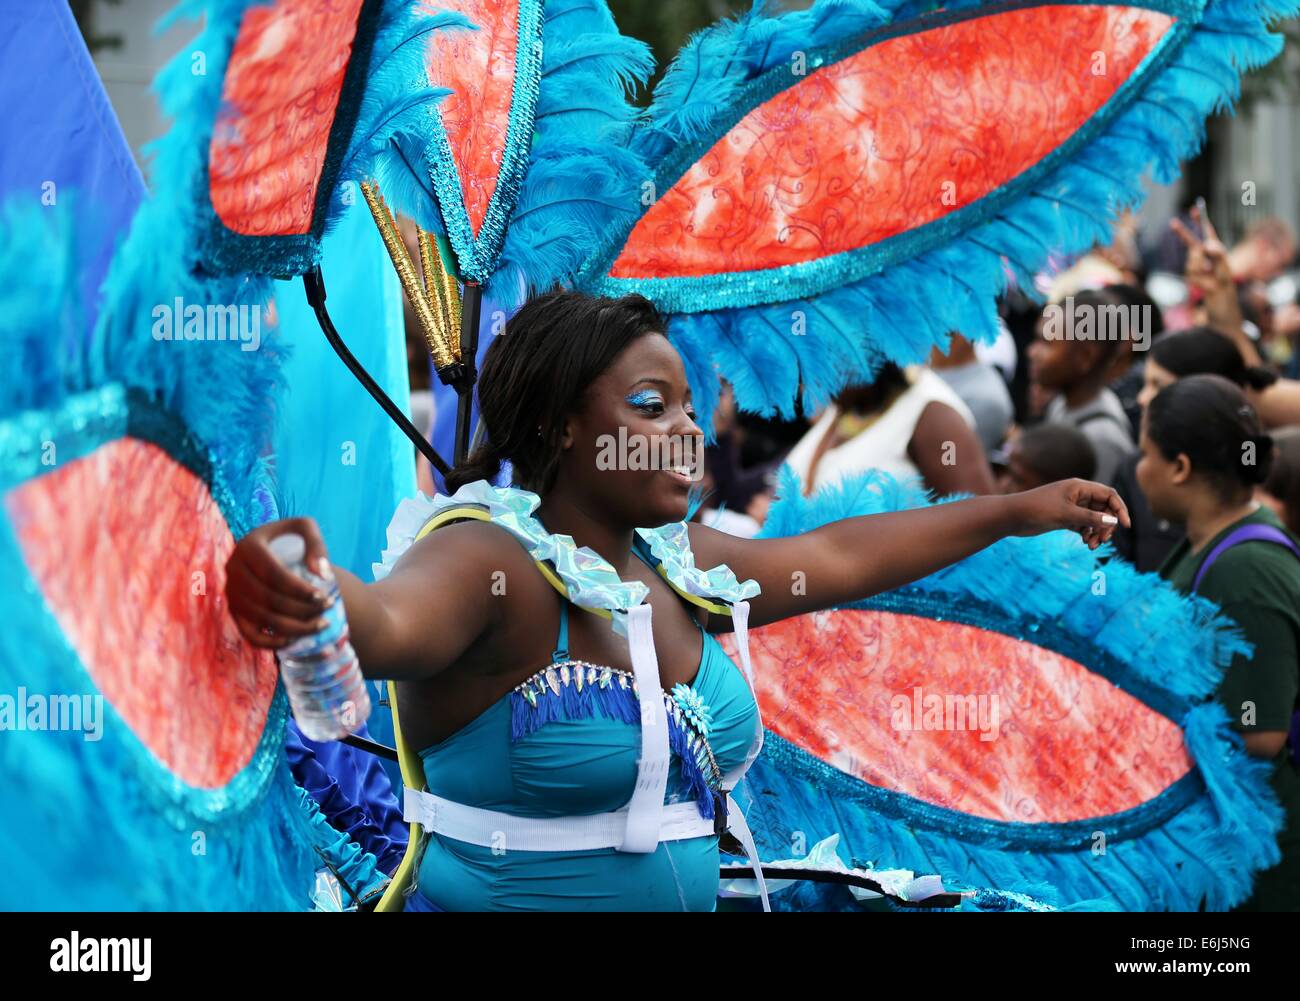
{"x": 1091, "y": 509}
{"x": 270, "y": 605}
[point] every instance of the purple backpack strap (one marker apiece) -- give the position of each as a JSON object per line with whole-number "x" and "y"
{"x": 1256, "y": 533}
{"x": 1246, "y": 533}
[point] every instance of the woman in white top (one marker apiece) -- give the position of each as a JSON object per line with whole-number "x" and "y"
{"x": 907, "y": 423}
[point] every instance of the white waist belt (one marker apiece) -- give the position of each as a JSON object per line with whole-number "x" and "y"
{"x": 509, "y": 833}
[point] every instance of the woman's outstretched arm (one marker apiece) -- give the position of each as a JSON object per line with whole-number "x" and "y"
{"x": 855, "y": 558}
{"x": 412, "y": 625}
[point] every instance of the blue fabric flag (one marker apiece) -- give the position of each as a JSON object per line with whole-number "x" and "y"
{"x": 58, "y": 133}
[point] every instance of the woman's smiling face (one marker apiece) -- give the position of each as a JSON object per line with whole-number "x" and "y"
{"x": 633, "y": 444}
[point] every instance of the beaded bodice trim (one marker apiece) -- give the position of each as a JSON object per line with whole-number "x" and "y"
{"x": 576, "y": 689}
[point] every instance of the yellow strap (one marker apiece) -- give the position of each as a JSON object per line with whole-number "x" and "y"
{"x": 479, "y": 514}
{"x": 394, "y": 898}
{"x": 713, "y": 606}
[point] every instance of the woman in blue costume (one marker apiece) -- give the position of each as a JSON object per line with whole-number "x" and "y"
{"x": 569, "y": 765}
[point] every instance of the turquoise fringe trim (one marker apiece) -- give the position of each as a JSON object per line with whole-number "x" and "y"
{"x": 1198, "y": 842}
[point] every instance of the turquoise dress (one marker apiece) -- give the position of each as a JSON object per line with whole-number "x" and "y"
{"x": 559, "y": 754}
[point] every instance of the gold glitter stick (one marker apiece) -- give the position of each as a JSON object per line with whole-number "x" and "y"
{"x": 433, "y": 280}
{"x": 449, "y": 277}
{"x": 445, "y": 351}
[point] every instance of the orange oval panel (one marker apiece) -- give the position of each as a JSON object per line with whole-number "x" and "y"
{"x": 962, "y": 717}
{"x": 130, "y": 550}
{"x": 479, "y": 68}
{"x": 889, "y": 139}
{"x": 279, "y": 99}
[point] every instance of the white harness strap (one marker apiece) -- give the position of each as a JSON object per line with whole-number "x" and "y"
{"x": 740, "y": 621}
{"x": 647, "y": 802}
{"x": 509, "y": 833}
{"x": 738, "y": 826}
{"x": 735, "y": 817}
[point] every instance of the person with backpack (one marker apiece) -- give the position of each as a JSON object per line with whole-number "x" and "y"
{"x": 1203, "y": 452}
{"x": 1199, "y": 351}
{"x": 1074, "y": 369}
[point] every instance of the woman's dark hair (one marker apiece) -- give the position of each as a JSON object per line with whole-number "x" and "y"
{"x": 1133, "y": 296}
{"x": 1202, "y": 351}
{"x": 868, "y": 397}
{"x": 1208, "y": 419}
{"x": 536, "y": 372}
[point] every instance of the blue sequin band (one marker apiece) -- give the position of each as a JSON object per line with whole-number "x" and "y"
{"x": 477, "y": 256}
{"x": 735, "y": 289}
{"x": 794, "y": 761}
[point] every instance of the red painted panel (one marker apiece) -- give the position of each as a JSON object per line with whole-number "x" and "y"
{"x": 279, "y": 99}
{"x": 890, "y": 139}
{"x": 854, "y": 688}
{"x": 479, "y": 68}
{"x": 130, "y": 550}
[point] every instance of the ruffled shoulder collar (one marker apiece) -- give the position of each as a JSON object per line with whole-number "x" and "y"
{"x": 587, "y": 576}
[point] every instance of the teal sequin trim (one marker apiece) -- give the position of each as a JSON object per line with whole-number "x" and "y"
{"x": 739, "y": 289}
{"x": 477, "y": 256}
{"x": 33, "y": 442}
{"x": 793, "y": 762}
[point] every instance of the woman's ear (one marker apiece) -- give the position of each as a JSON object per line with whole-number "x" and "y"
{"x": 1182, "y": 469}
{"x": 566, "y": 436}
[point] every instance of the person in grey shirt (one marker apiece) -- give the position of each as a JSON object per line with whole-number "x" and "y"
{"x": 1103, "y": 422}
{"x": 980, "y": 387}
{"x": 1076, "y": 372}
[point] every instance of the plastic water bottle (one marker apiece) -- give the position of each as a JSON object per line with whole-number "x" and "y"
{"x": 327, "y": 692}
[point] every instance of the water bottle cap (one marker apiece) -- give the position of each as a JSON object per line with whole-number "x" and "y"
{"x": 290, "y": 548}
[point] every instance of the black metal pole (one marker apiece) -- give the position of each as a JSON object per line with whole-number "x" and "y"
{"x": 314, "y": 283}
{"x": 775, "y": 872}
{"x": 470, "y": 310}
{"x": 380, "y": 750}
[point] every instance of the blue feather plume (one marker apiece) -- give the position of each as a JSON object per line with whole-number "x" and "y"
{"x": 581, "y": 180}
